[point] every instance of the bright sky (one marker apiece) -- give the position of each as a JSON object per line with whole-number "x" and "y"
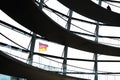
{"x": 56, "y": 49}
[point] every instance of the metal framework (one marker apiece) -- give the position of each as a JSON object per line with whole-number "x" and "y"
{"x": 96, "y": 73}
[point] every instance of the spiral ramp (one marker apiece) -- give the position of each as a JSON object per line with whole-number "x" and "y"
{"x": 14, "y": 67}
{"x": 88, "y": 8}
{"x": 30, "y": 16}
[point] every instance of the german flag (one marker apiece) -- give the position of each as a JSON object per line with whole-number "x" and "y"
{"x": 43, "y": 47}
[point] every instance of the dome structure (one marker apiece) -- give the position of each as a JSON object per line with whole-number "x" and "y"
{"x": 80, "y": 39}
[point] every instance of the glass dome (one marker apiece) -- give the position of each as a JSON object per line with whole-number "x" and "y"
{"x": 15, "y": 39}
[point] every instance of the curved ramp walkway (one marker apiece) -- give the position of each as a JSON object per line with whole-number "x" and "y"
{"x": 14, "y": 67}
{"x": 27, "y": 14}
{"x": 91, "y": 10}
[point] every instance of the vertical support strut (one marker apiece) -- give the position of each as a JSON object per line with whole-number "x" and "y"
{"x": 69, "y": 19}
{"x": 66, "y": 47}
{"x": 96, "y": 55}
{"x": 41, "y": 4}
{"x": 30, "y": 57}
{"x": 65, "y": 60}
